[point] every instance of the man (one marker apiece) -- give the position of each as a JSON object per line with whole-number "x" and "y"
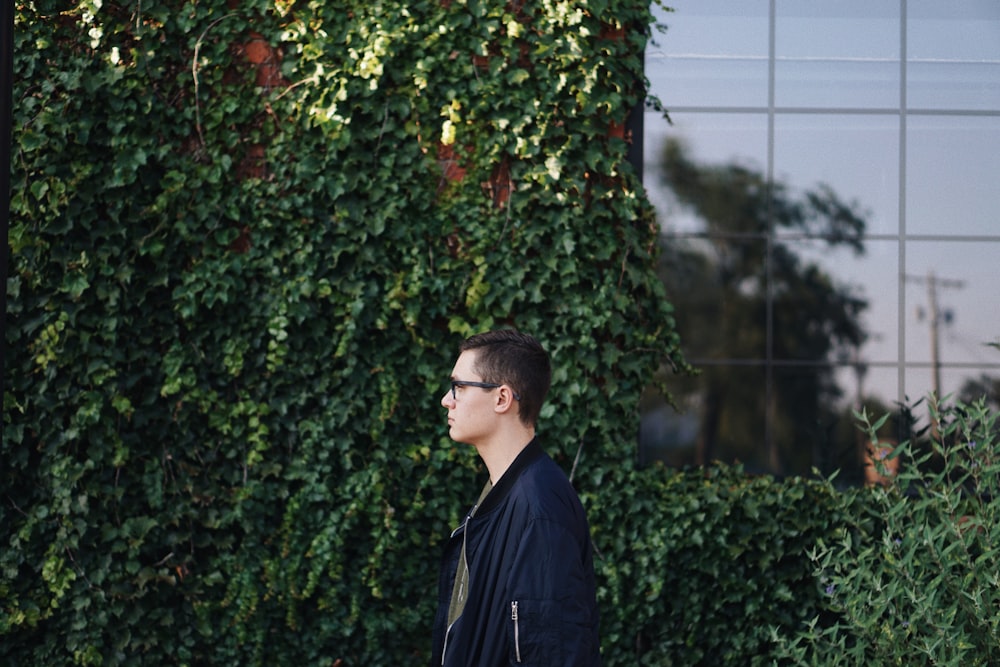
{"x": 517, "y": 576}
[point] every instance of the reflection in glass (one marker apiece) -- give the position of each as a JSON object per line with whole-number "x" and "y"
{"x": 977, "y": 383}
{"x": 953, "y": 170}
{"x": 732, "y": 28}
{"x": 967, "y": 384}
{"x": 867, "y": 383}
{"x": 715, "y": 420}
{"x": 951, "y": 85}
{"x": 710, "y": 54}
{"x": 832, "y": 124}
{"x": 698, "y": 81}
{"x": 872, "y": 276}
{"x": 953, "y": 55}
{"x": 837, "y": 54}
{"x": 709, "y": 279}
{"x": 968, "y": 30}
{"x": 747, "y": 296}
{"x": 951, "y": 290}
{"x": 729, "y": 138}
{"x": 856, "y": 154}
{"x": 870, "y": 84}
{"x": 809, "y": 433}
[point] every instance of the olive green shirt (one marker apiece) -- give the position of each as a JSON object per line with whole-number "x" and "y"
{"x": 460, "y": 591}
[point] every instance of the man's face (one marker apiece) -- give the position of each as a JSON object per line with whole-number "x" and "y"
{"x": 471, "y": 414}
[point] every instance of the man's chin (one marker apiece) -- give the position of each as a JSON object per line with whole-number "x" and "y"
{"x": 457, "y": 437}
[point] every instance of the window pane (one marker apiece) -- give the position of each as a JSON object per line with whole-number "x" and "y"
{"x": 721, "y": 417}
{"x": 856, "y": 156}
{"x": 817, "y": 304}
{"x": 667, "y": 434}
{"x": 731, "y": 408}
{"x": 843, "y": 53}
{"x": 956, "y": 281}
{"x": 953, "y": 54}
{"x": 807, "y": 421}
{"x": 836, "y": 83}
{"x": 714, "y": 53}
{"x": 716, "y": 285}
{"x": 866, "y": 383}
{"x": 710, "y": 140}
{"x": 872, "y": 277}
{"x": 952, "y": 175}
{"x": 878, "y": 272}
{"x": 955, "y": 383}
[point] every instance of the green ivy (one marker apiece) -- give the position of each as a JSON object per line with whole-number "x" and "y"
{"x": 237, "y": 286}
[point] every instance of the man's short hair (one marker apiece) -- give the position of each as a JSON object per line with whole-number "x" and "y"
{"x": 507, "y": 356}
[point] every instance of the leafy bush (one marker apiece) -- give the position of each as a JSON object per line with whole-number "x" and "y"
{"x": 718, "y": 557}
{"x": 917, "y": 583}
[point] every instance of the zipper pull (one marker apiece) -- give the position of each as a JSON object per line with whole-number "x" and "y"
{"x": 517, "y": 632}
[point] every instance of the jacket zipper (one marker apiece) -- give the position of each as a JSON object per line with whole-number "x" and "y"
{"x": 465, "y": 535}
{"x": 464, "y": 564}
{"x": 517, "y": 638}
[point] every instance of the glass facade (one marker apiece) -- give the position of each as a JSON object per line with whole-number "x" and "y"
{"x": 828, "y": 169}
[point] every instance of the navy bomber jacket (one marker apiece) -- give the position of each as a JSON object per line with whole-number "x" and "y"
{"x": 531, "y": 597}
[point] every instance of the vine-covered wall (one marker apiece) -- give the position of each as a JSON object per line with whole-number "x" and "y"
{"x": 245, "y": 240}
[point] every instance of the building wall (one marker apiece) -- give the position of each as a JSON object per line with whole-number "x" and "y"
{"x": 894, "y": 104}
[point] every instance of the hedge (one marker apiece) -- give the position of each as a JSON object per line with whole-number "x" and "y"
{"x": 714, "y": 569}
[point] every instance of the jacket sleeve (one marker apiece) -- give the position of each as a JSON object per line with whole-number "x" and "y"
{"x": 553, "y": 620}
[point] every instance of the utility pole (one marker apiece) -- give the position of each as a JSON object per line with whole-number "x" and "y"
{"x": 936, "y": 318}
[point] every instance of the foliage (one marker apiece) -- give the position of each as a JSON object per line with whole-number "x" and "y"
{"x": 718, "y": 558}
{"x": 919, "y": 585}
{"x": 984, "y": 386}
{"x": 245, "y": 240}
{"x": 749, "y": 291}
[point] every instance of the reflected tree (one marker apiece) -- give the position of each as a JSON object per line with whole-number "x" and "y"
{"x": 983, "y": 387}
{"x": 744, "y": 293}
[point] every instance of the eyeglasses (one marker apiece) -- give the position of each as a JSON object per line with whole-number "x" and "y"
{"x": 455, "y": 384}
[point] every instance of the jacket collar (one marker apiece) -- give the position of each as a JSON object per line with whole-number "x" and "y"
{"x": 531, "y": 452}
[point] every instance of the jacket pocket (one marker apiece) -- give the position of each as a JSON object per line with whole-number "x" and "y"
{"x": 533, "y": 633}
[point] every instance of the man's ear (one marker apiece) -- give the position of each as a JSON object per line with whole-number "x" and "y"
{"x": 505, "y": 400}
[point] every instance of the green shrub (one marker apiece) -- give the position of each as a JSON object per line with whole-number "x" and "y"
{"x": 919, "y": 583}
{"x": 701, "y": 563}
